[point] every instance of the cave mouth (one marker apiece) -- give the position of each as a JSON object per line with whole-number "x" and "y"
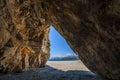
{"x": 64, "y": 61}
{"x": 59, "y": 48}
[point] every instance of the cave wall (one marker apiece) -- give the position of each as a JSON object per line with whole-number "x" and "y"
{"x": 24, "y": 42}
{"x": 91, "y": 28}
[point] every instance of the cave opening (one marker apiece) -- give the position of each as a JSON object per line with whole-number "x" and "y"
{"x": 59, "y": 48}
{"x": 63, "y": 61}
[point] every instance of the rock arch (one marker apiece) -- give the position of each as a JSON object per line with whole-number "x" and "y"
{"x": 91, "y": 28}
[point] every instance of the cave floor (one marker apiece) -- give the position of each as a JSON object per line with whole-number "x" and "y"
{"x": 55, "y": 70}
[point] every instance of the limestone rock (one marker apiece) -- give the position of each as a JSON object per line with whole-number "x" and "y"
{"x": 92, "y": 29}
{"x": 24, "y": 42}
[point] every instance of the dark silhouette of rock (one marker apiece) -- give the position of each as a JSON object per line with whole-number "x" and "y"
{"x": 91, "y": 28}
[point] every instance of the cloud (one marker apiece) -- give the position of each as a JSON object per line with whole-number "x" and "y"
{"x": 68, "y": 54}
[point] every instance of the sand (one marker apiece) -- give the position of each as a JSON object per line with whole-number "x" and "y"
{"x": 67, "y": 65}
{"x": 55, "y": 70}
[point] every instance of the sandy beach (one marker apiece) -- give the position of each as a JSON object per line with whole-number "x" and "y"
{"x": 67, "y": 65}
{"x": 55, "y": 70}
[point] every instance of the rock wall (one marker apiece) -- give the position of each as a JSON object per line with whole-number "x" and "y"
{"x": 24, "y": 39}
{"x": 91, "y": 28}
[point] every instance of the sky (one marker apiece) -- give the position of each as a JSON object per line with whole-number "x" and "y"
{"x": 58, "y": 45}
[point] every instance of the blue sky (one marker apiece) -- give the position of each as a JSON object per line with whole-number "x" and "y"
{"x": 59, "y": 46}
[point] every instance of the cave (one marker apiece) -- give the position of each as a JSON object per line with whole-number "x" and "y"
{"x": 91, "y": 28}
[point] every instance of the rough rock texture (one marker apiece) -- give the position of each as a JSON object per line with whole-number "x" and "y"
{"x": 91, "y": 28}
{"x": 24, "y": 39}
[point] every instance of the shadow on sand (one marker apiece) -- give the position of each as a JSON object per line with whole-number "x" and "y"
{"x": 50, "y": 73}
